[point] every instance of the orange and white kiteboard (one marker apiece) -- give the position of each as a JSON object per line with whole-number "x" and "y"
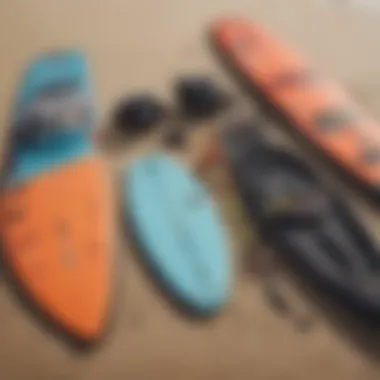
{"x": 315, "y": 105}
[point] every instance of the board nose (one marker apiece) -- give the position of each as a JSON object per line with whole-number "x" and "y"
{"x": 85, "y": 319}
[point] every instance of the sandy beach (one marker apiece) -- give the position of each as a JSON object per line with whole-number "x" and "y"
{"x": 139, "y": 45}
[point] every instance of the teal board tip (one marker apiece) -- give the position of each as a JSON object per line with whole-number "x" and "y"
{"x": 52, "y": 117}
{"x": 179, "y": 232}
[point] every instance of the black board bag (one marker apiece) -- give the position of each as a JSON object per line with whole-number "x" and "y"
{"x": 308, "y": 223}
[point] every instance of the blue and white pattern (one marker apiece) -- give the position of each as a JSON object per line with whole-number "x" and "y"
{"x": 52, "y": 118}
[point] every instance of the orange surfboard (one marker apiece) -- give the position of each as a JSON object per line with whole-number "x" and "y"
{"x": 55, "y": 208}
{"x": 315, "y": 105}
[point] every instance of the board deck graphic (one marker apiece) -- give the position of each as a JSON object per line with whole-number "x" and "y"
{"x": 178, "y": 227}
{"x": 313, "y": 103}
{"x": 55, "y": 202}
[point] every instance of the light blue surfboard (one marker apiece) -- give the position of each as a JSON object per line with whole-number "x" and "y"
{"x": 52, "y": 116}
{"x": 181, "y": 235}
